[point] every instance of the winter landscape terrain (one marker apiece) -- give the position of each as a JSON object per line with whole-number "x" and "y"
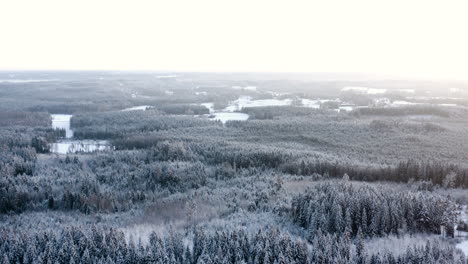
{"x": 182, "y": 167}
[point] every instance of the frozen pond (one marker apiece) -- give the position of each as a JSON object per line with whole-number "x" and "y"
{"x": 69, "y": 145}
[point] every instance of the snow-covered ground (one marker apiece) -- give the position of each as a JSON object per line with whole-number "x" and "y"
{"x": 246, "y": 88}
{"x": 231, "y": 111}
{"x": 72, "y": 146}
{"x": 246, "y": 101}
{"x": 210, "y": 107}
{"x": 364, "y": 90}
{"x": 463, "y": 245}
{"x": 138, "y": 108}
{"x": 226, "y": 116}
{"x": 311, "y": 103}
{"x": 404, "y": 103}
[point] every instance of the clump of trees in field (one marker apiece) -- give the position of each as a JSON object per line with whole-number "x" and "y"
{"x": 346, "y": 209}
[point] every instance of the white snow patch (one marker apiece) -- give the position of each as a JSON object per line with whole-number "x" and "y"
{"x": 347, "y": 108}
{"x": 246, "y": 101}
{"x": 250, "y": 88}
{"x": 246, "y": 88}
{"x": 138, "y": 108}
{"x": 210, "y": 106}
{"x": 364, "y": 90}
{"x": 463, "y": 246}
{"x": 165, "y": 76}
{"x": 311, "y": 103}
{"x": 229, "y": 116}
{"x": 277, "y": 94}
{"x": 72, "y": 146}
{"x": 403, "y": 103}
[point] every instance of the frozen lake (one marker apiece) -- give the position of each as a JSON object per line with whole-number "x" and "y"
{"x": 69, "y": 145}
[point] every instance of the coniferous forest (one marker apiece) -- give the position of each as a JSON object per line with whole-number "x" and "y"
{"x": 120, "y": 167}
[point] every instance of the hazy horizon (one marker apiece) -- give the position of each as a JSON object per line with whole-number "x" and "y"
{"x": 421, "y": 39}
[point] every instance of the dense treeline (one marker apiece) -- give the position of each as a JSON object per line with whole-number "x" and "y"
{"x": 271, "y": 112}
{"x": 420, "y": 128}
{"x": 110, "y": 125}
{"x": 22, "y": 136}
{"x": 437, "y": 173}
{"x": 338, "y": 136}
{"x": 110, "y": 246}
{"x": 184, "y": 109}
{"x": 244, "y": 156}
{"x": 17, "y": 118}
{"x": 93, "y": 187}
{"x": 110, "y": 182}
{"x": 347, "y": 209}
{"x": 402, "y": 111}
{"x": 117, "y": 180}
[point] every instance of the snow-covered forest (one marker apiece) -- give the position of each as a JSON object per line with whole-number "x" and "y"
{"x": 302, "y": 170}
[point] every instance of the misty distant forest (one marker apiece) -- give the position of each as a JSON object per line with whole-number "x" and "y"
{"x": 164, "y": 167}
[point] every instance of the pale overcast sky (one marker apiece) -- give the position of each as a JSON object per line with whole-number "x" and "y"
{"x": 407, "y": 37}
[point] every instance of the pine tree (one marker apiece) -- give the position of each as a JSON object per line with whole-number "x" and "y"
{"x": 85, "y": 258}
{"x": 361, "y": 254}
{"x": 187, "y": 257}
{"x": 6, "y": 260}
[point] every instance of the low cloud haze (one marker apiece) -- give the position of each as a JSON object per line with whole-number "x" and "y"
{"x": 425, "y": 39}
